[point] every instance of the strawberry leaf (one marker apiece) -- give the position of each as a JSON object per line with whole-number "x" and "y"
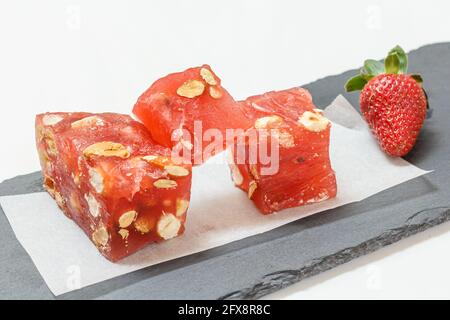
{"x": 356, "y": 83}
{"x": 392, "y": 63}
{"x": 373, "y": 67}
{"x": 417, "y": 77}
{"x": 366, "y": 76}
{"x": 402, "y": 57}
{"x": 426, "y": 97}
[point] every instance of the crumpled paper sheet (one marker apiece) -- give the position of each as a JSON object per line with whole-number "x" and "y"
{"x": 219, "y": 212}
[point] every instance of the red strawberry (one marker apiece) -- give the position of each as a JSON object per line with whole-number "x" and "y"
{"x": 392, "y": 102}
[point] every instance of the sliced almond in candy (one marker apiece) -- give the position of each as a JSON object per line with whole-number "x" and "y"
{"x": 254, "y": 171}
{"x": 124, "y": 233}
{"x": 285, "y": 139}
{"x": 127, "y": 218}
{"x": 90, "y": 121}
{"x": 51, "y": 119}
{"x": 93, "y": 204}
{"x": 96, "y": 180}
{"x": 40, "y": 133}
{"x": 168, "y": 226}
{"x": 182, "y": 206}
{"x": 49, "y": 185}
{"x": 100, "y": 236}
{"x": 251, "y": 188}
{"x": 208, "y": 76}
{"x": 76, "y": 179}
{"x": 50, "y": 143}
{"x": 177, "y": 171}
{"x": 106, "y": 149}
{"x": 215, "y": 92}
{"x": 59, "y": 199}
{"x": 43, "y": 157}
{"x": 144, "y": 224}
{"x": 236, "y": 174}
{"x": 191, "y": 89}
{"x": 149, "y": 158}
{"x": 269, "y": 122}
{"x": 160, "y": 161}
{"x": 313, "y": 121}
{"x": 165, "y": 184}
{"x": 74, "y": 202}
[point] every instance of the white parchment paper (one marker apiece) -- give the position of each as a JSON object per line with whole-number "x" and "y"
{"x": 219, "y": 212}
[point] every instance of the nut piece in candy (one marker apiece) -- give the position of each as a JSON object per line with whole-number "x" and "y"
{"x": 236, "y": 174}
{"x": 254, "y": 171}
{"x": 51, "y": 119}
{"x": 215, "y": 92}
{"x": 251, "y": 188}
{"x": 159, "y": 161}
{"x": 144, "y": 224}
{"x": 314, "y": 122}
{"x": 59, "y": 200}
{"x": 191, "y": 89}
{"x": 76, "y": 179}
{"x": 182, "y": 206}
{"x": 168, "y": 226}
{"x": 100, "y": 236}
{"x": 96, "y": 180}
{"x": 124, "y": 233}
{"x": 49, "y": 185}
{"x": 208, "y": 76}
{"x": 74, "y": 202}
{"x": 285, "y": 139}
{"x": 165, "y": 184}
{"x": 43, "y": 157}
{"x": 269, "y": 122}
{"x": 93, "y": 204}
{"x": 91, "y": 121}
{"x": 106, "y": 149}
{"x": 127, "y": 218}
{"x": 50, "y": 142}
{"x": 176, "y": 171}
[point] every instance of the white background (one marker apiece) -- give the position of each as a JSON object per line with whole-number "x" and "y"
{"x": 100, "y": 55}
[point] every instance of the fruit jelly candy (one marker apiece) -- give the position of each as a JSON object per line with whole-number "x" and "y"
{"x": 107, "y": 174}
{"x": 301, "y": 173}
{"x": 174, "y": 104}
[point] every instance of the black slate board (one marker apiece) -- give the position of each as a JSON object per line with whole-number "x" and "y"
{"x": 262, "y": 264}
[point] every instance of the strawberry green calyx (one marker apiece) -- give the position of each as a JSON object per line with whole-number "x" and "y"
{"x": 396, "y": 62}
{"x": 417, "y": 77}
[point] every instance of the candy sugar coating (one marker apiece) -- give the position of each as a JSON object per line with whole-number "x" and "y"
{"x": 107, "y": 175}
{"x": 301, "y": 171}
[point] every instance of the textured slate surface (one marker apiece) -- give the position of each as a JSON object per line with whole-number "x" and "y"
{"x": 259, "y": 265}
